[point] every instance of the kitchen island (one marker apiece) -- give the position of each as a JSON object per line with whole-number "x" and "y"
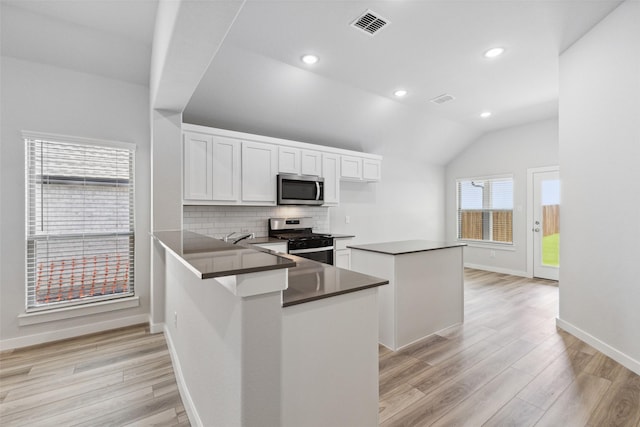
{"x": 425, "y": 292}
{"x": 264, "y": 338}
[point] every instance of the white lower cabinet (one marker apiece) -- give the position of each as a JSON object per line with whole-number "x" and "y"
{"x": 259, "y": 171}
{"x": 342, "y": 254}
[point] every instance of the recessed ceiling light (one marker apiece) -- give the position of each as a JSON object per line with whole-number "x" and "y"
{"x": 309, "y": 59}
{"x": 485, "y": 114}
{"x": 400, "y": 93}
{"x": 494, "y": 52}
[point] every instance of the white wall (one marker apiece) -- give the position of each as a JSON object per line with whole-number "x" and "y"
{"x": 507, "y": 151}
{"x": 406, "y": 204}
{"x": 600, "y": 173}
{"x": 48, "y": 99}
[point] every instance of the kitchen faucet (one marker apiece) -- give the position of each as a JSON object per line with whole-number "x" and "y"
{"x": 244, "y": 236}
{"x": 226, "y": 238}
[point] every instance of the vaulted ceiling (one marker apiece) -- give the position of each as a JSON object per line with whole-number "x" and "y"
{"x": 256, "y": 82}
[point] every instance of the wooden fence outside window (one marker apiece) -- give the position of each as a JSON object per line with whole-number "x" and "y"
{"x": 472, "y": 226}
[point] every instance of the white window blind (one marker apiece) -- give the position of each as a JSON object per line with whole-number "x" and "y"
{"x": 80, "y": 222}
{"x": 485, "y": 209}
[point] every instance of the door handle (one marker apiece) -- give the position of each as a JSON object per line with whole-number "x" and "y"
{"x": 317, "y": 190}
{"x": 536, "y": 229}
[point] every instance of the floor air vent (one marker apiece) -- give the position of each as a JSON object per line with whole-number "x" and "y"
{"x": 442, "y": 99}
{"x": 370, "y": 22}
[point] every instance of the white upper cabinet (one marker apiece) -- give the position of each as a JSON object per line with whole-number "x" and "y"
{"x": 351, "y": 168}
{"x": 211, "y": 168}
{"x": 354, "y": 168}
{"x": 259, "y": 171}
{"x": 226, "y": 169}
{"x": 331, "y": 175}
{"x": 371, "y": 169}
{"x": 289, "y": 160}
{"x": 299, "y": 161}
{"x": 311, "y": 162}
{"x": 198, "y": 156}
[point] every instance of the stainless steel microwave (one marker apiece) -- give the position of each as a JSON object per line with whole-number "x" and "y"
{"x": 300, "y": 190}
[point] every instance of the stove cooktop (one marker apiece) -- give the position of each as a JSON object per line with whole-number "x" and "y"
{"x": 300, "y": 236}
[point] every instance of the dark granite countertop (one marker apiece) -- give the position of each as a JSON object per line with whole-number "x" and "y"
{"x": 406, "y": 246}
{"x": 342, "y": 236}
{"x": 209, "y": 257}
{"x": 308, "y": 280}
{"x": 311, "y": 281}
{"x": 263, "y": 240}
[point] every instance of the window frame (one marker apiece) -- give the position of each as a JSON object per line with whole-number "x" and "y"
{"x": 93, "y": 304}
{"x": 486, "y": 199}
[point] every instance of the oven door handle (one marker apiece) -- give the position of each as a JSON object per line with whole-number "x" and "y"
{"x": 310, "y": 250}
{"x": 317, "y": 190}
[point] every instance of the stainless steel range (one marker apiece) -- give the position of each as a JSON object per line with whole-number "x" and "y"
{"x": 301, "y": 240}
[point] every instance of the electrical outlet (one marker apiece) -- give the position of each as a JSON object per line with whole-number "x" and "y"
{"x": 492, "y": 254}
{"x": 175, "y": 319}
{"x": 244, "y": 230}
{"x": 347, "y": 219}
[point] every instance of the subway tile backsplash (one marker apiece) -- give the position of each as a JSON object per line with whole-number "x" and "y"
{"x": 218, "y": 221}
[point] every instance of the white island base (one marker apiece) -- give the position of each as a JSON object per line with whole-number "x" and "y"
{"x": 276, "y": 347}
{"x": 425, "y": 292}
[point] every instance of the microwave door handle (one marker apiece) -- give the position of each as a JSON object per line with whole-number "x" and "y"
{"x": 317, "y": 190}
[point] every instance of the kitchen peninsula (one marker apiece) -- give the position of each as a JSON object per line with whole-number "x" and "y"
{"x": 425, "y": 292}
{"x": 262, "y": 338}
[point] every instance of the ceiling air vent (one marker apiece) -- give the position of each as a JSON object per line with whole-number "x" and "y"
{"x": 370, "y": 22}
{"x": 442, "y": 99}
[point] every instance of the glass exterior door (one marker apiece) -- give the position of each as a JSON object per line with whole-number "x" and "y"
{"x": 546, "y": 225}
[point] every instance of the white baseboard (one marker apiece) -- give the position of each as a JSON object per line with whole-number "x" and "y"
{"x": 626, "y": 361}
{"x": 497, "y": 270}
{"x": 187, "y": 401}
{"x": 155, "y": 328}
{"x": 61, "y": 334}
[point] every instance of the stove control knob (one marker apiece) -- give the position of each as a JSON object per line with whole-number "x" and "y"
{"x": 295, "y": 245}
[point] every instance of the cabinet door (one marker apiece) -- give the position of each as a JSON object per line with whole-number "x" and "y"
{"x": 197, "y": 170}
{"x": 331, "y": 175}
{"x": 259, "y": 170}
{"x": 311, "y": 162}
{"x": 351, "y": 167}
{"x": 289, "y": 160}
{"x": 226, "y": 169}
{"x": 371, "y": 170}
{"x": 343, "y": 259}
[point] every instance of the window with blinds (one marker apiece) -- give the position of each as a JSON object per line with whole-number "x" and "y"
{"x": 485, "y": 210}
{"x": 80, "y": 221}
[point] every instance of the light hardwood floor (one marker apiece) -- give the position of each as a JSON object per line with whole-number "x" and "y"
{"x": 116, "y": 378}
{"x": 507, "y": 365}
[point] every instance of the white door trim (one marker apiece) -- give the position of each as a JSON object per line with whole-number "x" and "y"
{"x": 530, "y": 192}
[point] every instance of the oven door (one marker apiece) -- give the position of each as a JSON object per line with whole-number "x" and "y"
{"x": 324, "y": 254}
